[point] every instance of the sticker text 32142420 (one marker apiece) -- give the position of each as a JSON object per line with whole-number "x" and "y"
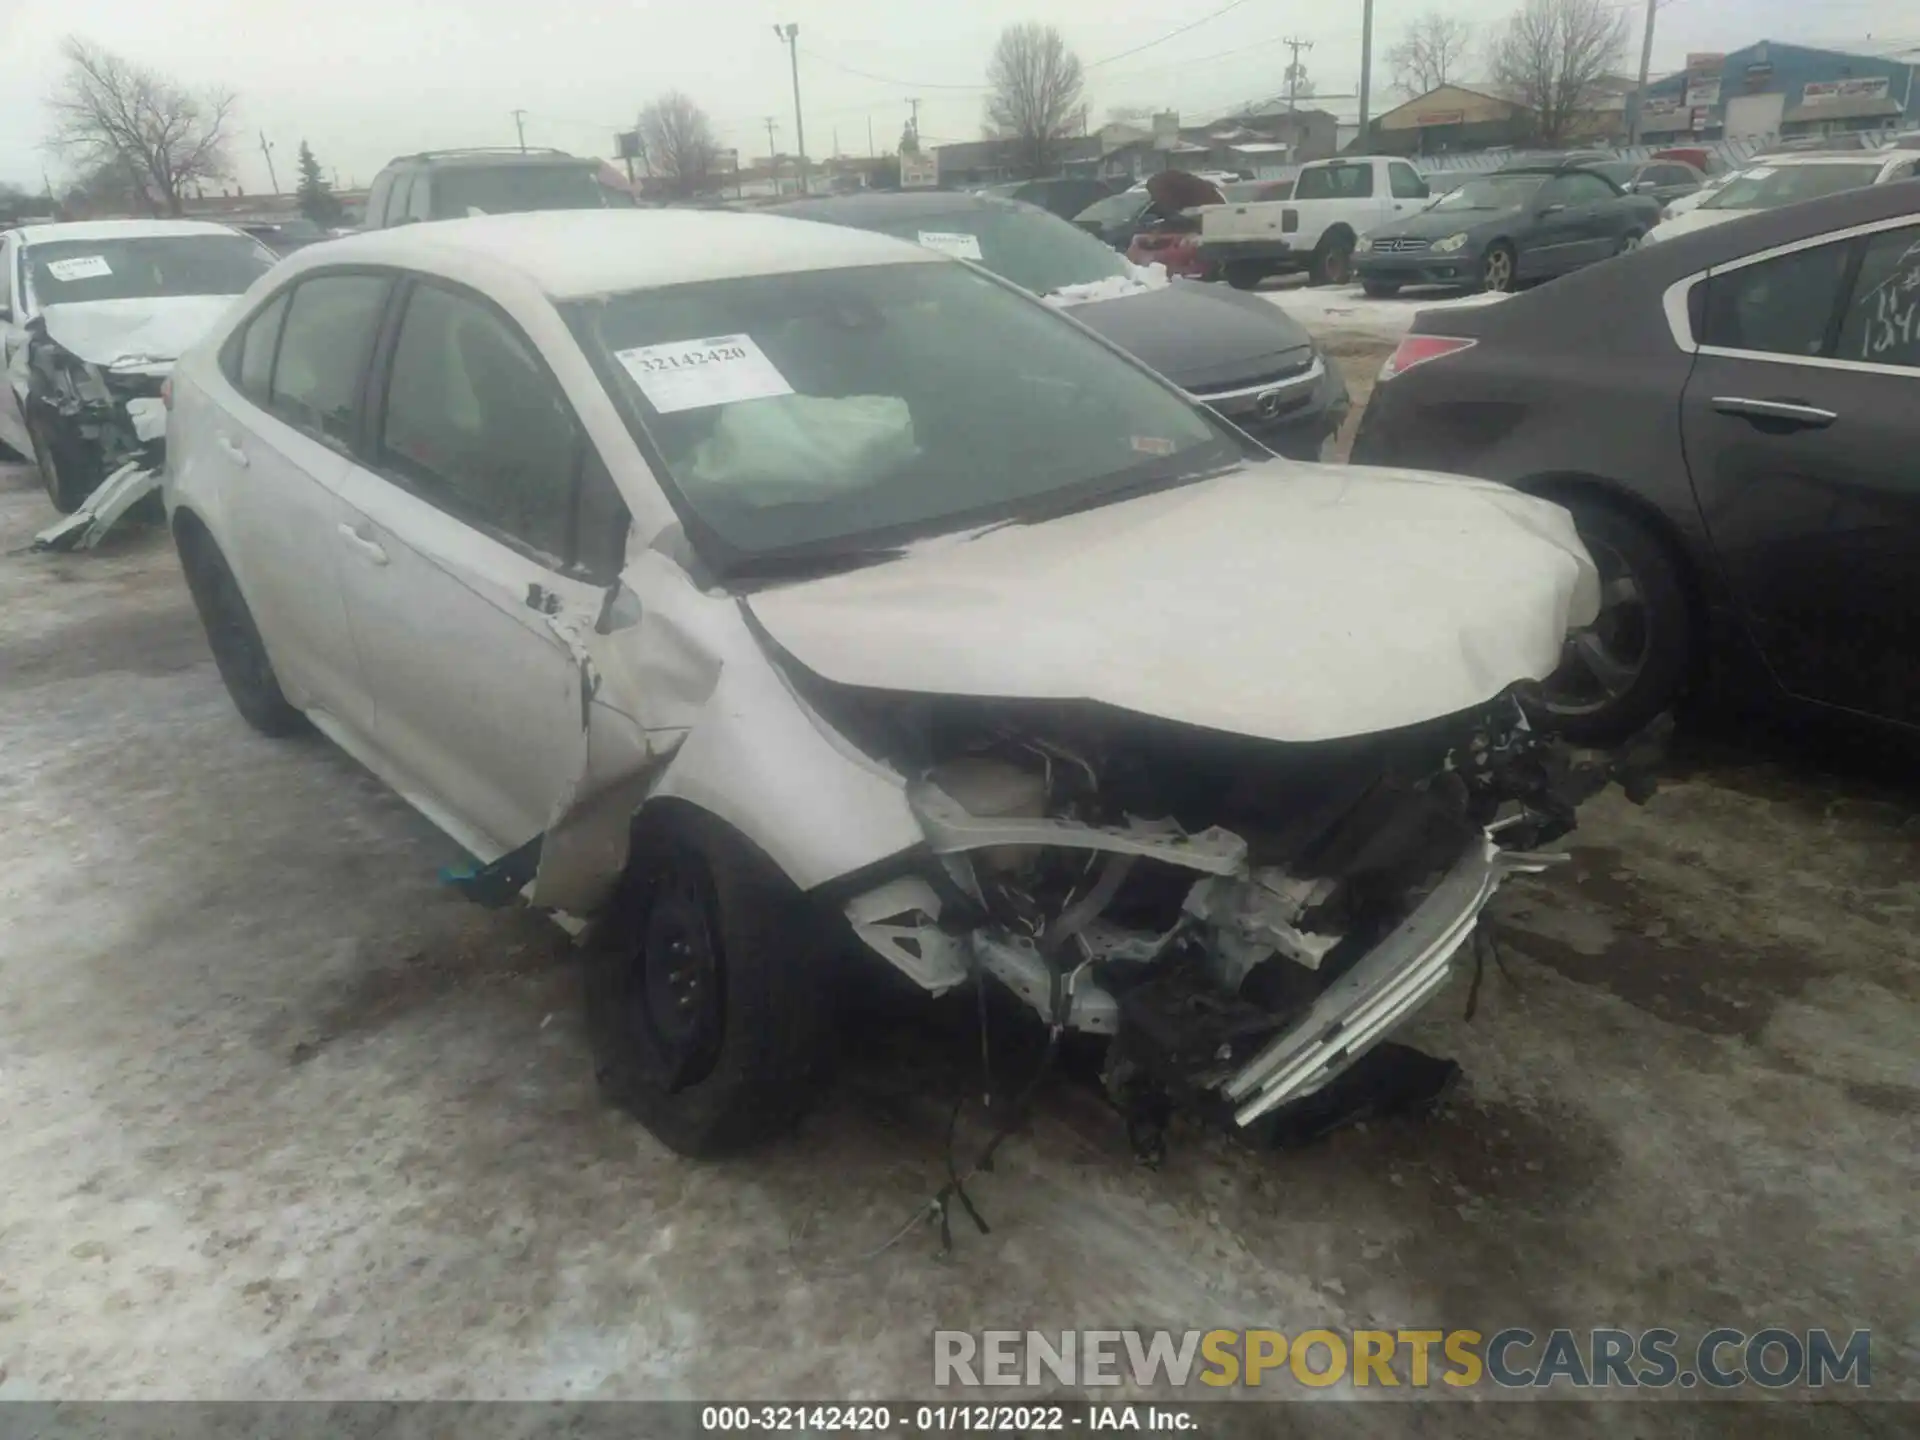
{"x": 691, "y": 374}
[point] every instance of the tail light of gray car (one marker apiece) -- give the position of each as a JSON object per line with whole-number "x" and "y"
{"x": 1418, "y": 350}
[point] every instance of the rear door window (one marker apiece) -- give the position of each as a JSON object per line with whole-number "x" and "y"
{"x": 325, "y": 345}
{"x": 1882, "y": 323}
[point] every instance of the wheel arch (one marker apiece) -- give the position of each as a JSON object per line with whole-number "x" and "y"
{"x": 1570, "y": 488}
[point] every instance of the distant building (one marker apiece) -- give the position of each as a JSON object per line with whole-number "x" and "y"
{"x": 1452, "y": 118}
{"x": 1786, "y": 90}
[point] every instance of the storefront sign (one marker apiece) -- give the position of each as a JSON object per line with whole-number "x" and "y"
{"x": 1831, "y": 92}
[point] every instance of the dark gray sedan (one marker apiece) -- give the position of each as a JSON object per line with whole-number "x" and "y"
{"x": 1243, "y": 357}
{"x": 1498, "y": 231}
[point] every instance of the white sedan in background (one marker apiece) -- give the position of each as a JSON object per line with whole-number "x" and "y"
{"x": 1785, "y": 180}
{"x": 767, "y": 589}
{"x": 92, "y": 316}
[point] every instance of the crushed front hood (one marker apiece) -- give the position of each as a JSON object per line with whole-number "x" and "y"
{"x": 148, "y": 331}
{"x": 1286, "y": 602}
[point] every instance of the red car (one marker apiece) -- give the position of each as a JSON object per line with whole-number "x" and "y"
{"x": 1175, "y": 243}
{"x": 1173, "y": 240}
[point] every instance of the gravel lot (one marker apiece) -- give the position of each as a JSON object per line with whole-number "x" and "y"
{"x": 282, "y": 1116}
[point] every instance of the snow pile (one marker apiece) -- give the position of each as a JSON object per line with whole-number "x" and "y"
{"x": 1136, "y": 280}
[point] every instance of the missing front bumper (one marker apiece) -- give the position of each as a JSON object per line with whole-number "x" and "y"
{"x": 1384, "y": 988}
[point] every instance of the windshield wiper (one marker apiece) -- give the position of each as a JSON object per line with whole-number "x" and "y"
{"x": 1052, "y": 507}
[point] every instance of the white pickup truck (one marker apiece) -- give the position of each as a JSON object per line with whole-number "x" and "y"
{"x": 1334, "y": 202}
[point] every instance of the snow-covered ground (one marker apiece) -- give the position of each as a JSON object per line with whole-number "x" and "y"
{"x": 1346, "y": 307}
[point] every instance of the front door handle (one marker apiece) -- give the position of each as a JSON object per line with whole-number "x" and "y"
{"x": 231, "y": 449}
{"x": 1801, "y": 417}
{"x": 369, "y": 548}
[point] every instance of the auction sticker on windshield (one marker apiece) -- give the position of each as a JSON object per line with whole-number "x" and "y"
{"x": 956, "y": 243}
{"x": 79, "y": 267}
{"x": 691, "y": 374}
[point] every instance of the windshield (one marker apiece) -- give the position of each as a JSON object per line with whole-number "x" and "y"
{"x": 1764, "y": 187}
{"x": 461, "y": 190}
{"x": 1113, "y": 208}
{"x": 1491, "y": 192}
{"x": 833, "y": 410}
{"x": 1620, "y": 172}
{"x": 138, "y": 267}
{"x": 1035, "y": 250}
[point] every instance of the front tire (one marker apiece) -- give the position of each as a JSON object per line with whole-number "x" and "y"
{"x": 238, "y": 652}
{"x": 65, "y": 473}
{"x": 707, "y": 997}
{"x": 1245, "y": 274}
{"x": 1499, "y": 269}
{"x": 1634, "y": 660}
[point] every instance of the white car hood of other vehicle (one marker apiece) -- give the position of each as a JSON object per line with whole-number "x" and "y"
{"x": 1286, "y": 602}
{"x": 152, "y": 330}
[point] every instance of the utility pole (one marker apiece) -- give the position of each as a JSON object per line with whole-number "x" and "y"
{"x": 1646, "y": 61}
{"x": 773, "y": 156}
{"x": 869, "y": 136}
{"x": 1366, "y": 73}
{"x": 267, "y": 150}
{"x": 520, "y": 127}
{"x": 790, "y": 36}
{"x": 1294, "y": 70}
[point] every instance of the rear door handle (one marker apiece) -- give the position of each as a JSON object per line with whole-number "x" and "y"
{"x": 369, "y": 549}
{"x": 1804, "y": 417}
{"x": 232, "y": 449}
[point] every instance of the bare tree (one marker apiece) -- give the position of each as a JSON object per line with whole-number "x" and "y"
{"x": 1429, "y": 53}
{"x": 1035, "y": 95}
{"x": 111, "y": 114}
{"x": 1552, "y": 56}
{"x": 679, "y": 143}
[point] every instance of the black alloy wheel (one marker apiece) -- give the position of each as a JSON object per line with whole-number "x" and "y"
{"x": 1631, "y": 663}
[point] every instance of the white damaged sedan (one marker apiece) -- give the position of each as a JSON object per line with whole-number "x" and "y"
{"x": 762, "y": 589}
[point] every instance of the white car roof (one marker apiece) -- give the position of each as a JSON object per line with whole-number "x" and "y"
{"x": 118, "y": 230}
{"x": 1817, "y": 157}
{"x": 573, "y": 253}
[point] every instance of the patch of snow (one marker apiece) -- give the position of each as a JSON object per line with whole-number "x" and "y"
{"x": 1137, "y": 279}
{"x": 1348, "y": 307}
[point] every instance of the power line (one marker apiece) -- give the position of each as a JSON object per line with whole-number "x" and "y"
{"x": 813, "y": 54}
{"x": 1190, "y": 25}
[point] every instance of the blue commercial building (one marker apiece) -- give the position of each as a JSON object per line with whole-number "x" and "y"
{"x": 1785, "y": 90}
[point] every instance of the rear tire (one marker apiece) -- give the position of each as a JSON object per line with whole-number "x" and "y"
{"x": 1332, "y": 260}
{"x": 238, "y": 651}
{"x": 707, "y": 996}
{"x": 1634, "y": 661}
{"x": 1245, "y": 274}
{"x": 1380, "y": 289}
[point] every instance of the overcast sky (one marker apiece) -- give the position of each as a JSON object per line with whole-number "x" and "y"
{"x": 363, "y": 80}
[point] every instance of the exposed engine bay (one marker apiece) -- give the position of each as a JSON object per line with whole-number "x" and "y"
{"x": 1245, "y": 919}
